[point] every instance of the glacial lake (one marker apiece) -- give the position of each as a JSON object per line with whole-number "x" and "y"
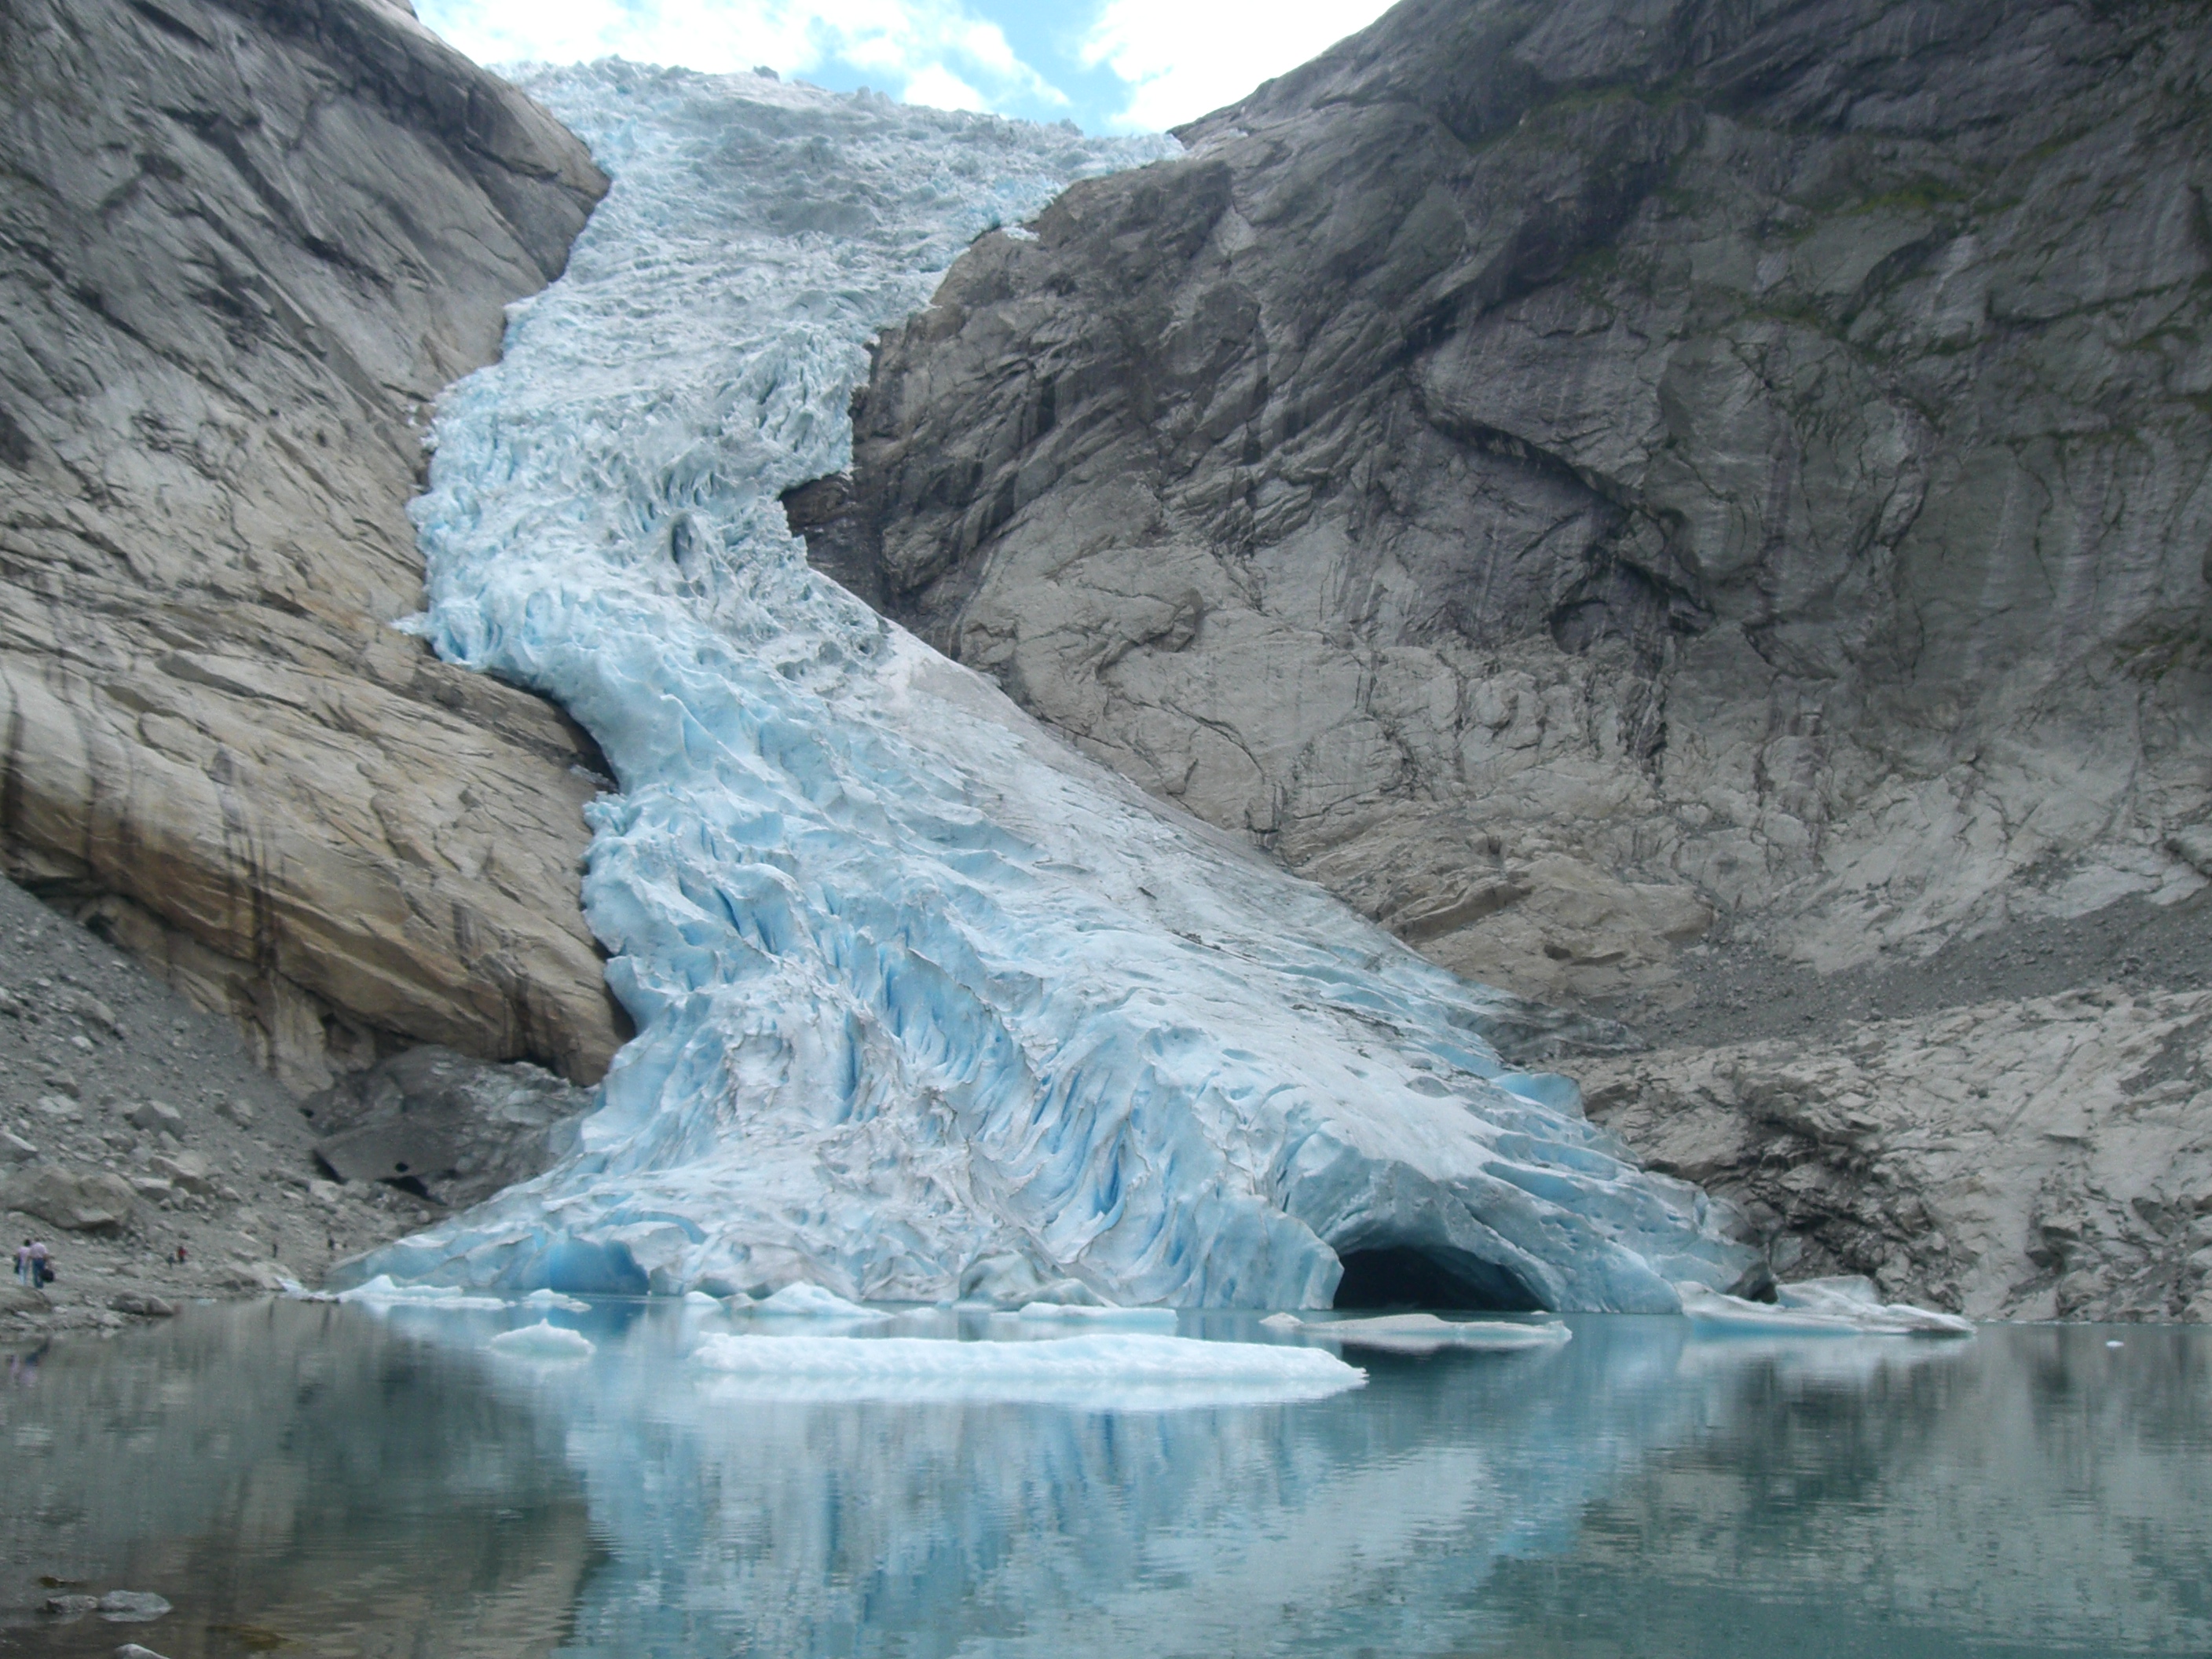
{"x": 309, "y": 1478}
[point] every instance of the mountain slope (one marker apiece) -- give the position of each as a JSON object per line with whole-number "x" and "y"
{"x": 1755, "y": 453}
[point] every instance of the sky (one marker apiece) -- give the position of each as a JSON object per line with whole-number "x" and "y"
{"x": 1108, "y": 65}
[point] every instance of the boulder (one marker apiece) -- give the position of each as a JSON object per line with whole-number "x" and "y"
{"x": 446, "y": 1127}
{"x": 81, "y": 1200}
{"x": 233, "y": 1109}
{"x": 154, "y": 1116}
{"x": 186, "y": 1170}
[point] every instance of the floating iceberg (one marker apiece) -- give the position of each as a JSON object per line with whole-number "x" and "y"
{"x": 1151, "y": 1319}
{"x": 1421, "y": 1332}
{"x": 382, "y": 1292}
{"x": 804, "y": 1301}
{"x": 543, "y": 1340}
{"x": 917, "y": 986}
{"x": 1846, "y": 1306}
{"x": 1108, "y": 1370}
{"x": 543, "y": 1298}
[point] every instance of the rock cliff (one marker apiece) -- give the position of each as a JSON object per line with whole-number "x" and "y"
{"x": 1624, "y": 489}
{"x": 243, "y": 244}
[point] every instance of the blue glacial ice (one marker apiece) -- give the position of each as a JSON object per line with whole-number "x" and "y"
{"x": 928, "y": 1005}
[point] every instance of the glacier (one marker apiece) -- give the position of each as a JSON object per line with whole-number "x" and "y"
{"x": 928, "y": 1005}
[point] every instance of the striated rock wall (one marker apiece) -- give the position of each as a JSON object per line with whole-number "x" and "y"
{"x": 1558, "y": 475}
{"x": 243, "y": 243}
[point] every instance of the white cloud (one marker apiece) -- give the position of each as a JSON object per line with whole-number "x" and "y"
{"x": 1183, "y": 58}
{"x": 940, "y": 88}
{"x": 929, "y": 51}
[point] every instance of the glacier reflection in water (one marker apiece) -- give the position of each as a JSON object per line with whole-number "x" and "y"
{"x": 383, "y": 1482}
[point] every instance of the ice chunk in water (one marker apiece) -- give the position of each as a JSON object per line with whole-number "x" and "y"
{"x": 1421, "y": 1332}
{"x": 1117, "y": 1369}
{"x": 811, "y": 1302}
{"x": 917, "y": 987}
{"x": 555, "y": 1299}
{"x": 544, "y": 1340}
{"x": 1819, "y": 1307}
{"x": 1150, "y": 1319}
{"x": 382, "y": 1292}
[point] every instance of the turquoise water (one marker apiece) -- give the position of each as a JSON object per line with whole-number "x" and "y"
{"x": 315, "y": 1479}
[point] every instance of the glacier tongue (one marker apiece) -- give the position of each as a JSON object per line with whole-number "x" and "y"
{"x": 917, "y": 988}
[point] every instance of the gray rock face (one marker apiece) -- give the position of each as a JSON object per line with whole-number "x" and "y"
{"x": 1613, "y": 486}
{"x": 1560, "y": 475}
{"x": 2048, "y": 1157}
{"x": 242, "y": 246}
{"x": 451, "y": 1128}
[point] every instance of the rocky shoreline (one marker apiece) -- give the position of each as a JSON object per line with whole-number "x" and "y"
{"x": 133, "y": 1125}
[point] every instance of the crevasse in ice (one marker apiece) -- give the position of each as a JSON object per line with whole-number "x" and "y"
{"x": 926, "y": 1003}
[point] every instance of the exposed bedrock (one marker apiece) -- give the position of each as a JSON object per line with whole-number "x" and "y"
{"x": 1625, "y": 491}
{"x": 2048, "y": 1157}
{"x": 1564, "y": 476}
{"x": 449, "y": 1128}
{"x": 242, "y": 246}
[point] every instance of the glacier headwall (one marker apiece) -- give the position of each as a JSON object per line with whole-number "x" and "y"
{"x": 928, "y": 1004}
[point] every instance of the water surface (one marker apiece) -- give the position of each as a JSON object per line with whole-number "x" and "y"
{"x": 314, "y": 1480}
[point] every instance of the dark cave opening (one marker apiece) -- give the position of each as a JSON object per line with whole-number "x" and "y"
{"x": 1399, "y": 1276}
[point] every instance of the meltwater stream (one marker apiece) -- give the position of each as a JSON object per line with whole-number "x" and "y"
{"x": 928, "y": 1005}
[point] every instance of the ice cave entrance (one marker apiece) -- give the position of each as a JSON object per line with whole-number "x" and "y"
{"x": 1402, "y": 1276}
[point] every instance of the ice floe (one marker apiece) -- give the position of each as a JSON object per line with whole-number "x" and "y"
{"x": 1846, "y": 1306}
{"x": 1117, "y": 1368}
{"x": 1149, "y": 1319}
{"x": 382, "y": 1292}
{"x": 544, "y": 1340}
{"x": 1421, "y": 1332}
{"x": 543, "y": 1298}
{"x": 804, "y": 1301}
